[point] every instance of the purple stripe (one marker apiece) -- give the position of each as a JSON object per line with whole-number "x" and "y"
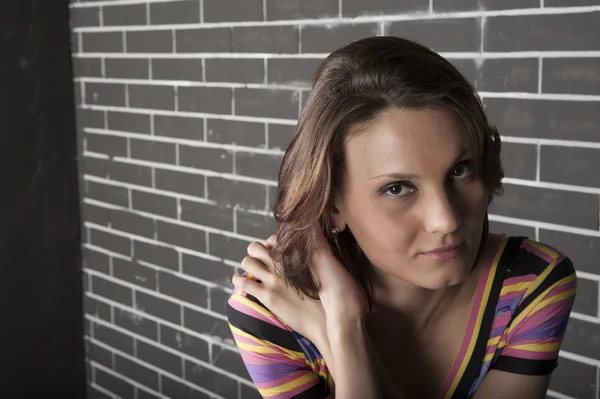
{"x": 541, "y": 330}
{"x": 270, "y": 372}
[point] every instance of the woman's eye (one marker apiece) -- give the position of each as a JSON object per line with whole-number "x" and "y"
{"x": 397, "y": 190}
{"x": 462, "y": 170}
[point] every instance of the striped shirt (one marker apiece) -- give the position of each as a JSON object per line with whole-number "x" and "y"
{"x": 516, "y": 324}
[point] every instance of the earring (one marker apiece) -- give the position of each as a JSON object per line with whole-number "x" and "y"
{"x": 335, "y": 231}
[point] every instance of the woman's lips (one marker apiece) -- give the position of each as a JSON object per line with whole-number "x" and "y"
{"x": 443, "y": 254}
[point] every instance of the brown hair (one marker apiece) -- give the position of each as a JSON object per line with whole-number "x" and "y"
{"x": 351, "y": 88}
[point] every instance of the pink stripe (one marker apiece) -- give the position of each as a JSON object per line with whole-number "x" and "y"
{"x": 501, "y": 320}
{"x": 530, "y": 248}
{"x": 511, "y": 294}
{"x": 295, "y": 391}
{"x": 253, "y": 313}
{"x": 519, "y": 279}
{"x": 258, "y": 359}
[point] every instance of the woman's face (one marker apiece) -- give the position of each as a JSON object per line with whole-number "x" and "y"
{"x": 412, "y": 199}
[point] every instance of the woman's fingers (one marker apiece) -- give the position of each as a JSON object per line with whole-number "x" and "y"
{"x": 256, "y": 268}
{"x": 271, "y": 241}
{"x": 261, "y": 253}
{"x": 247, "y": 285}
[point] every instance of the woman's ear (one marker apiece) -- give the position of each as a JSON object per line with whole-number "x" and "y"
{"x": 336, "y": 215}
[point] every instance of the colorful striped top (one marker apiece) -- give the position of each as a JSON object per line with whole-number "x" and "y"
{"x": 517, "y": 323}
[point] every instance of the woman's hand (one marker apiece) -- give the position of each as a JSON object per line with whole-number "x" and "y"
{"x": 302, "y": 314}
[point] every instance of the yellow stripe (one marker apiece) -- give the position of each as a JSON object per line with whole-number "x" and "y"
{"x": 543, "y": 248}
{"x": 525, "y": 313}
{"x": 494, "y": 341}
{"x": 288, "y": 386}
{"x": 294, "y": 355}
{"x": 547, "y": 347}
{"x": 247, "y": 302}
{"x": 541, "y": 278}
{"x": 488, "y": 357}
{"x": 482, "y": 308}
{"x": 516, "y": 287}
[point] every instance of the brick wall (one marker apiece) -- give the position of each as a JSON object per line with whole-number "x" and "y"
{"x": 185, "y": 108}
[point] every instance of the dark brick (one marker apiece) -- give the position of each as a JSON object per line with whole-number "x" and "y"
{"x": 106, "y": 193}
{"x": 229, "y": 360}
{"x": 130, "y": 173}
{"x": 249, "y": 392}
{"x": 100, "y": 355}
{"x": 280, "y": 136}
{"x": 136, "y": 323}
{"x": 87, "y": 67}
{"x": 153, "y": 151}
{"x": 160, "y": 358}
{"x": 93, "y": 166}
{"x": 179, "y": 182}
{"x": 212, "y": 40}
{"x": 581, "y": 338}
{"x": 235, "y": 70}
{"x": 114, "y": 384}
{"x": 551, "y": 119}
{"x": 132, "y": 223}
{"x": 247, "y": 134}
{"x": 548, "y": 205}
{"x": 571, "y": 75}
{"x": 206, "y": 324}
{"x": 102, "y": 42}
{"x": 90, "y": 118}
{"x": 512, "y": 230}
{"x": 175, "y": 389}
{"x": 232, "y": 192}
{"x": 136, "y": 372}
{"x": 583, "y": 251}
{"x": 472, "y": 5}
{"x": 111, "y": 242}
{"x": 93, "y": 392}
{"x": 96, "y": 260}
{"x": 265, "y": 39}
{"x": 301, "y": 9}
{"x": 208, "y": 215}
{"x": 153, "y": 97}
{"x": 177, "y": 69}
{"x": 103, "y": 143}
{"x": 218, "y": 300}
{"x": 324, "y": 39}
{"x": 87, "y": 325}
{"x": 124, "y": 15}
{"x": 211, "y": 380}
{"x": 154, "y": 203}
{"x": 297, "y": 72}
{"x": 206, "y": 158}
{"x": 254, "y": 225}
{"x": 84, "y": 16}
{"x": 562, "y": 32}
{"x": 112, "y": 94}
{"x": 94, "y": 214}
{"x": 216, "y": 100}
{"x": 264, "y": 166}
{"x": 181, "y": 236}
{"x": 175, "y": 12}
{"x": 78, "y": 90}
{"x": 267, "y": 103}
{"x": 233, "y": 10}
{"x": 574, "y": 379}
{"x": 519, "y": 160}
{"x": 228, "y": 247}
{"x": 75, "y": 47}
{"x": 96, "y": 308}
{"x": 134, "y": 273}
{"x": 355, "y": 8}
{"x": 460, "y": 34}
{"x": 182, "y": 289}
{"x": 586, "y": 300}
{"x": 158, "y": 307}
{"x": 128, "y": 122}
{"x": 519, "y": 74}
{"x": 112, "y": 291}
{"x": 207, "y": 270}
{"x": 570, "y": 165}
{"x": 143, "y": 393}
{"x": 126, "y": 68}
{"x": 113, "y": 338}
{"x": 184, "y": 343}
{"x": 158, "y": 41}
{"x": 179, "y": 126}
{"x": 158, "y": 255}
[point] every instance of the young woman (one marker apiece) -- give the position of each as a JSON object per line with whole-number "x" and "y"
{"x": 382, "y": 279}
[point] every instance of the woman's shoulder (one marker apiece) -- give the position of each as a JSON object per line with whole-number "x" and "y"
{"x": 537, "y": 268}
